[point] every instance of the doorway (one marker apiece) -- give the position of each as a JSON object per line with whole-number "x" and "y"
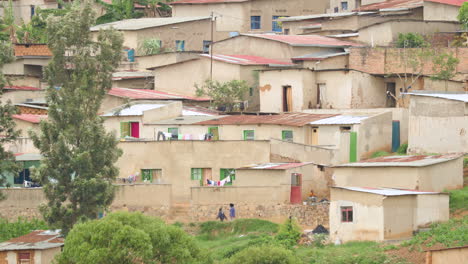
{"x": 296, "y": 186}
{"x": 321, "y": 91}
{"x": 287, "y": 98}
{"x": 314, "y": 136}
{"x": 391, "y": 95}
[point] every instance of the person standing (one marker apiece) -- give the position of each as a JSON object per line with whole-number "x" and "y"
{"x": 232, "y": 212}
{"x": 221, "y": 216}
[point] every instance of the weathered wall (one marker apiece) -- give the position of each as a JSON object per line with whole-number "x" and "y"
{"x": 431, "y": 208}
{"x": 449, "y": 255}
{"x": 452, "y": 171}
{"x": 134, "y": 83}
{"x": 440, "y": 12}
{"x": 375, "y": 133}
{"x": 325, "y": 155}
{"x": 166, "y": 58}
{"x": 437, "y": 125}
{"x": 21, "y": 96}
{"x": 48, "y": 255}
{"x": 399, "y": 216}
{"x": 271, "y": 194}
{"x": 368, "y": 216}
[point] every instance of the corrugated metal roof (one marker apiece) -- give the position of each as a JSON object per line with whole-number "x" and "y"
{"x": 409, "y": 4}
{"x": 246, "y": 60}
{"x": 192, "y": 2}
{"x": 146, "y": 94}
{"x": 386, "y": 191}
{"x": 39, "y": 239}
{"x": 403, "y": 161}
{"x": 148, "y": 22}
{"x": 344, "y": 35}
{"x": 288, "y": 119}
{"x": 200, "y": 110}
{"x": 274, "y": 166}
{"x": 185, "y": 120}
{"x": 30, "y": 118}
{"x": 123, "y": 75}
{"x": 340, "y": 120}
{"x": 22, "y": 88}
{"x": 134, "y": 110}
{"x": 27, "y": 156}
{"x": 306, "y": 40}
{"x": 328, "y": 15}
{"x": 448, "y": 2}
{"x": 456, "y": 97}
{"x": 320, "y": 55}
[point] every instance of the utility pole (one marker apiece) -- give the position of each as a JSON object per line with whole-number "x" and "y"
{"x": 211, "y": 47}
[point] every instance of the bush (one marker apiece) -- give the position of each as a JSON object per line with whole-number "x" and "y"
{"x": 380, "y": 154}
{"x": 264, "y": 255}
{"x": 411, "y": 40}
{"x": 124, "y": 237}
{"x": 289, "y": 233}
{"x": 403, "y": 149}
{"x": 214, "y": 229}
{"x": 459, "y": 199}
{"x": 22, "y": 226}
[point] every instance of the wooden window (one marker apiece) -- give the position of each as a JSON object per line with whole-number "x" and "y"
{"x": 346, "y": 214}
{"x": 151, "y": 175}
{"x": 255, "y": 22}
{"x": 287, "y": 135}
{"x": 249, "y": 135}
{"x": 129, "y": 129}
{"x": 224, "y": 173}
{"x": 24, "y": 258}
{"x": 196, "y": 174}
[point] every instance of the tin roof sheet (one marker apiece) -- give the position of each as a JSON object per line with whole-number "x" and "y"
{"x": 288, "y": 119}
{"x": 386, "y": 191}
{"x": 340, "y": 120}
{"x": 123, "y": 75}
{"x": 403, "y": 161}
{"x": 274, "y": 166}
{"x": 448, "y": 2}
{"x": 326, "y": 15}
{"x": 198, "y": 110}
{"x": 456, "y": 97}
{"x": 392, "y": 4}
{"x": 185, "y": 120}
{"x": 306, "y": 40}
{"x": 31, "y": 118}
{"x": 148, "y": 22}
{"x": 146, "y": 94}
{"x": 194, "y": 2}
{"x": 39, "y": 239}
{"x": 246, "y": 60}
{"x": 322, "y": 55}
{"x": 134, "y": 110}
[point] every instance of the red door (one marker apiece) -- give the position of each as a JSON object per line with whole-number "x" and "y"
{"x": 296, "y": 186}
{"x": 135, "y": 129}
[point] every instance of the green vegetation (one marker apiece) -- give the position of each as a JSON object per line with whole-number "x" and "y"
{"x": 289, "y": 233}
{"x": 223, "y": 95}
{"x": 150, "y": 46}
{"x": 459, "y": 199}
{"x": 264, "y": 255}
{"x": 450, "y": 234}
{"x": 465, "y": 162}
{"x": 463, "y": 15}
{"x": 380, "y": 154}
{"x": 411, "y": 40}
{"x": 125, "y": 238}
{"x": 214, "y": 230}
{"x": 403, "y": 149}
{"x": 22, "y": 226}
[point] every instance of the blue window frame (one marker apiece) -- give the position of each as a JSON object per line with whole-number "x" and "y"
{"x": 344, "y": 5}
{"x": 276, "y": 27}
{"x": 255, "y": 22}
{"x": 180, "y": 45}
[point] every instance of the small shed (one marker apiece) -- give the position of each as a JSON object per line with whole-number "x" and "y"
{"x": 365, "y": 213}
{"x": 37, "y": 247}
{"x": 419, "y": 172}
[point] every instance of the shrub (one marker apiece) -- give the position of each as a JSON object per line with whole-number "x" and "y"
{"x": 403, "y": 149}
{"x": 459, "y": 199}
{"x": 289, "y": 233}
{"x": 264, "y": 255}
{"x": 411, "y": 40}
{"x": 214, "y": 229}
{"x": 22, "y": 226}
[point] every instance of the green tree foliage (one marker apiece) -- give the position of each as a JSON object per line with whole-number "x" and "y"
{"x": 7, "y": 23}
{"x": 8, "y": 133}
{"x": 264, "y": 255}
{"x": 444, "y": 67}
{"x": 79, "y": 155}
{"x": 123, "y": 237}
{"x": 226, "y": 94}
{"x": 289, "y": 233}
{"x": 463, "y": 15}
{"x": 118, "y": 10}
{"x": 411, "y": 40}
{"x": 20, "y": 227}
{"x": 150, "y": 47}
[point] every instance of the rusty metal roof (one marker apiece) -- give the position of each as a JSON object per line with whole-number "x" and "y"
{"x": 306, "y": 40}
{"x": 385, "y": 191}
{"x": 39, "y": 239}
{"x": 31, "y": 118}
{"x": 147, "y": 94}
{"x": 392, "y": 4}
{"x": 247, "y": 60}
{"x": 274, "y": 166}
{"x": 287, "y": 119}
{"x": 404, "y": 161}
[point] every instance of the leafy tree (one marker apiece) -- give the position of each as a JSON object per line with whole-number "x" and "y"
{"x": 118, "y": 10}
{"x": 8, "y": 133}
{"x": 444, "y": 67}
{"x": 463, "y": 15}
{"x": 7, "y": 23}
{"x": 411, "y": 40}
{"x": 289, "y": 233}
{"x": 223, "y": 94}
{"x": 123, "y": 237}
{"x": 20, "y": 227}
{"x": 79, "y": 155}
{"x": 264, "y": 255}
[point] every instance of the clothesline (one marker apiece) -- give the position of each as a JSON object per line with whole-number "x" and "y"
{"x": 218, "y": 183}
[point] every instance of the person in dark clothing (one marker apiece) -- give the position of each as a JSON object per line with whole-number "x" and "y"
{"x": 221, "y": 216}
{"x": 232, "y": 212}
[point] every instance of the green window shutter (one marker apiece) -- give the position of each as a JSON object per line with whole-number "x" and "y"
{"x": 124, "y": 129}
{"x": 287, "y": 135}
{"x": 249, "y": 135}
{"x": 196, "y": 174}
{"x": 147, "y": 175}
{"x": 353, "y": 147}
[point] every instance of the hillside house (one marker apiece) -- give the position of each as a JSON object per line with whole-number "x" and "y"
{"x": 438, "y": 122}
{"x": 174, "y": 33}
{"x": 239, "y": 16}
{"x": 21, "y": 94}
{"x": 23, "y": 178}
{"x": 222, "y": 68}
{"x": 39, "y": 246}
{"x": 133, "y": 79}
{"x": 378, "y": 214}
{"x": 420, "y": 172}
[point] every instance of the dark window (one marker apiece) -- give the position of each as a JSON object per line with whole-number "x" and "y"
{"x": 286, "y": 31}
{"x": 24, "y": 175}
{"x": 206, "y": 46}
{"x": 174, "y": 131}
{"x": 344, "y": 5}
{"x": 391, "y": 101}
{"x": 251, "y": 91}
{"x": 24, "y": 258}
{"x": 336, "y": 10}
{"x": 287, "y": 135}
{"x": 276, "y": 27}
{"x": 346, "y": 214}
{"x": 345, "y": 128}
{"x": 33, "y": 10}
{"x": 255, "y": 22}
{"x": 180, "y": 45}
